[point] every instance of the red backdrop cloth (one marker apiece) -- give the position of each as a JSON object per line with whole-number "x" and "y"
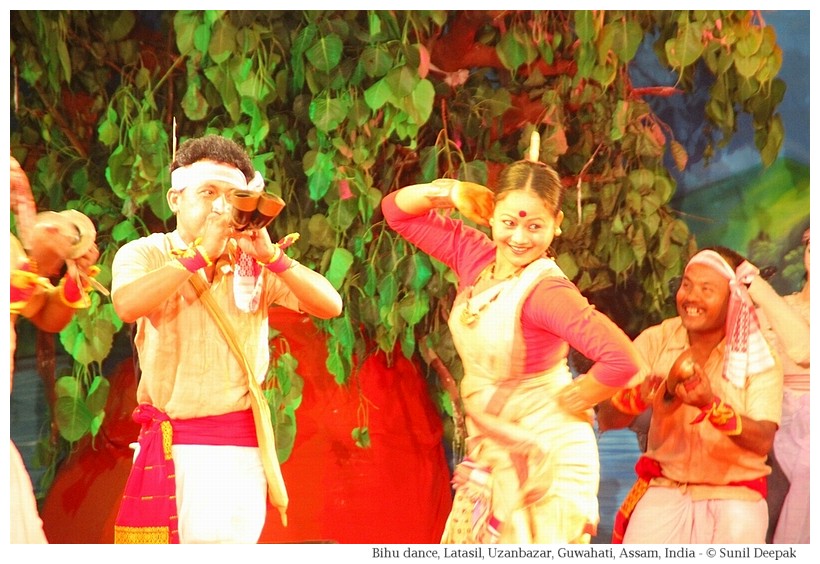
{"x": 397, "y": 491}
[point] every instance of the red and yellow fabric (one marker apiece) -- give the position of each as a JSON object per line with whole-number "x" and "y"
{"x": 722, "y": 416}
{"x": 628, "y": 400}
{"x": 148, "y": 512}
{"x": 24, "y": 283}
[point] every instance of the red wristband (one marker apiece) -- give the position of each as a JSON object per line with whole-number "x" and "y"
{"x": 722, "y": 416}
{"x": 629, "y": 401}
{"x": 280, "y": 263}
{"x": 192, "y": 258}
{"x": 71, "y": 294}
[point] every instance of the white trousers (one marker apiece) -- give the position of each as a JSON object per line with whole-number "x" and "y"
{"x": 221, "y": 493}
{"x": 667, "y": 516}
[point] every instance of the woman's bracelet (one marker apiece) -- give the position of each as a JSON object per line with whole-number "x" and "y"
{"x": 440, "y": 196}
{"x": 722, "y": 416}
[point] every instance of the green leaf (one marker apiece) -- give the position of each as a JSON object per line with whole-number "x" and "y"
{"x": 374, "y": 23}
{"x": 402, "y": 81}
{"x": 96, "y": 423}
{"x": 376, "y": 60}
{"x": 124, "y": 231}
{"x": 619, "y": 120}
{"x": 638, "y": 242}
{"x": 369, "y": 287}
{"x": 193, "y": 102}
{"x": 568, "y": 265}
{"x": 185, "y": 22}
{"x": 345, "y": 338}
{"x": 617, "y": 227}
{"x": 511, "y": 51}
{"x": 320, "y": 174}
{"x": 495, "y": 101}
{"x": 413, "y": 307}
{"x": 686, "y": 47}
{"x": 419, "y": 104}
{"x": 340, "y": 264}
{"x": 605, "y": 73}
{"x": 428, "y": 162}
{"x": 584, "y": 25}
{"x": 158, "y": 203}
{"x": 226, "y": 87}
{"x": 624, "y": 37}
{"x": 98, "y": 394}
{"x": 586, "y": 59}
{"x": 72, "y": 417}
{"x": 336, "y": 367}
{"x": 774, "y": 141}
{"x": 378, "y": 94}
{"x": 88, "y": 337}
{"x": 546, "y": 51}
{"x": 650, "y": 203}
{"x": 408, "y": 342}
{"x": 388, "y": 291}
{"x": 327, "y": 113}
{"x": 748, "y": 66}
{"x": 422, "y": 271}
{"x": 322, "y": 234}
{"x": 749, "y": 42}
{"x": 622, "y": 257}
{"x": 342, "y": 213}
{"x": 65, "y": 60}
{"x": 325, "y": 53}
{"x": 109, "y": 131}
{"x": 361, "y": 436}
{"x": 663, "y": 189}
{"x": 223, "y": 41}
{"x": 68, "y": 387}
{"x": 202, "y": 37}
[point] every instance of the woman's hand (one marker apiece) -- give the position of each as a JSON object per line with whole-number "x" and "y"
{"x": 474, "y": 201}
{"x": 583, "y": 393}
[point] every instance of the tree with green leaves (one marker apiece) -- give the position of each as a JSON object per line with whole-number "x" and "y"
{"x": 340, "y": 107}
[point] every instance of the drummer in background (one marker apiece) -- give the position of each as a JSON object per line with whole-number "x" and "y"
{"x": 50, "y": 241}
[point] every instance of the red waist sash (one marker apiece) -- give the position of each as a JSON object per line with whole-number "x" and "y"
{"x": 647, "y": 468}
{"x": 148, "y": 512}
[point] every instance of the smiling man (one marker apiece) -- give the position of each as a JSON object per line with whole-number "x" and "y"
{"x": 715, "y": 389}
{"x": 199, "y": 296}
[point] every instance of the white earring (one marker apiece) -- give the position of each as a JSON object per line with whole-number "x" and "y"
{"x": 558, "y": 231}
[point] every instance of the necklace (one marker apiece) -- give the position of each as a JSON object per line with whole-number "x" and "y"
{"x": 470, "y": 313}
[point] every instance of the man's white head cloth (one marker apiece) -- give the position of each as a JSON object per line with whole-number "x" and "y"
{"x": 747, "y": 352}
{"x": 200, "y": 172}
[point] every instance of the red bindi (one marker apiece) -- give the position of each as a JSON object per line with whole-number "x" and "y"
{"x": 522, "y": 213}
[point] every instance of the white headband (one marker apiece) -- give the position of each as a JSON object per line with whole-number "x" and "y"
{"x": 205, "y": 171}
